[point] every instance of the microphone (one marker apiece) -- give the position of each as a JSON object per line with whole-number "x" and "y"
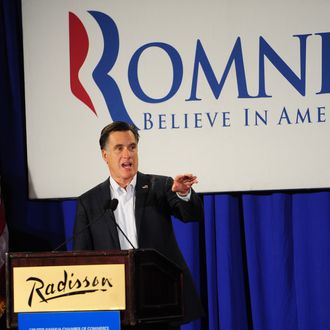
{"x": 113, "y": 203}
{"x": 118, "y": 227}
{"x": 110, "y": 204}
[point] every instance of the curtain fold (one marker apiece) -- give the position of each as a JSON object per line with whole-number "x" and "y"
{"x": 225, "y": 254}
{"x": 268, "y": 228}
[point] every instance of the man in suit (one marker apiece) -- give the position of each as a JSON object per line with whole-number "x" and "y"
{"x": 146, "y": 204}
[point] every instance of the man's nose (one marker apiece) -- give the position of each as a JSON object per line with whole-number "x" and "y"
{"x": 126, "y": 152}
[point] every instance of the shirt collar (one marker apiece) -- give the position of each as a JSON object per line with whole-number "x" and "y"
{"x": 116, "y": 187}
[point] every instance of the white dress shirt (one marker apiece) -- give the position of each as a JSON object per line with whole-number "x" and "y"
{"x": 125, "y": 212}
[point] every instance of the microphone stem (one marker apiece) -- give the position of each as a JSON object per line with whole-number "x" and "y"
{"x": 130, "y": 243}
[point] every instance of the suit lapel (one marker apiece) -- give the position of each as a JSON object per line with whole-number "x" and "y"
{"x": 110, "y": 221}
{"x": 141, "y": 190}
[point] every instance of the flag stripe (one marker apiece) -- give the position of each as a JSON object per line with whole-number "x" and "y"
{"x": 3, "y": 245}
{"x": 3, "y": 233}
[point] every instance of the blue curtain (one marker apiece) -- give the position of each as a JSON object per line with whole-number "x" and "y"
{"x": 260, "y": 261}
{"x": 268, "y": 260}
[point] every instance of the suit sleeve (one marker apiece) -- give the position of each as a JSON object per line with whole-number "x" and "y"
{"x": 186, "y": 211}
{"x": 82, "y": 237}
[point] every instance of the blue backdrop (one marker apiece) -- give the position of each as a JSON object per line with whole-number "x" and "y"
{"x": 261, "y": 260}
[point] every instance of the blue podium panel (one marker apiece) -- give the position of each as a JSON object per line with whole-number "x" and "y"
{"x": 107, "y": 320}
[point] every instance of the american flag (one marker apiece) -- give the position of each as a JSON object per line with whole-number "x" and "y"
{"x": 3, "y": 250}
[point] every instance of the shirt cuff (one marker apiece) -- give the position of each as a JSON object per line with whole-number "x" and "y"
{"x": 185, "y": 198}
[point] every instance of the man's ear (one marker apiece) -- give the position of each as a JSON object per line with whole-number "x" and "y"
{"x": 104, "y": 155}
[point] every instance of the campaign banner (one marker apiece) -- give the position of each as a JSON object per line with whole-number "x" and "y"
{"x": 235, "y": 92}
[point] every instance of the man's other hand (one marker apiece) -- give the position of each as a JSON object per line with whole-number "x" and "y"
{"x": 182, "y": 183}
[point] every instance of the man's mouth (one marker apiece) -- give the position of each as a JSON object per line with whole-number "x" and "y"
{"x": 127, "y": 165}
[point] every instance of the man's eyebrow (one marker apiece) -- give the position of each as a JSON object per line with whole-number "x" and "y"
{"x": 118, "y": 145}
{"x": 122, "y": 145}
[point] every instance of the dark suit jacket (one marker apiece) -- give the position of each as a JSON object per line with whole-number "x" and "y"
{"x": 154, "y": 205}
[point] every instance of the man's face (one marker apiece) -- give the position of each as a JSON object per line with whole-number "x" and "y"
{"x": 121, "y": 155}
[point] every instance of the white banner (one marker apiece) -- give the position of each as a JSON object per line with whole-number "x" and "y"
{"x": 235, "y": 92}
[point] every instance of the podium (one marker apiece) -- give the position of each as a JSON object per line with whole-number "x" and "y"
{"x": 153, "y": 285}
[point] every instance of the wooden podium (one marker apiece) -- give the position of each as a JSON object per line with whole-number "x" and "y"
{"x": 153, "y": 284}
